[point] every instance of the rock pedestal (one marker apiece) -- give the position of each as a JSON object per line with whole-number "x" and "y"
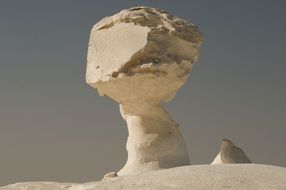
{"x": 140, "y": 57}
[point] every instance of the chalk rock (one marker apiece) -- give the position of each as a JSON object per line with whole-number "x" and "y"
{"x": 140, "y": 57}
{"x": 195, "y": 177}
{"x": 141, "y": 40}
{"x": 109, "y": 175}
{"x": 229, "y": 153}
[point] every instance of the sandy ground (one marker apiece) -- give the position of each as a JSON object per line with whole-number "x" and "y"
{"x": 195, "y": 177}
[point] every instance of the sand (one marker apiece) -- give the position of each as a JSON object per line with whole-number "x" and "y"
{"x": 193, "y": 177}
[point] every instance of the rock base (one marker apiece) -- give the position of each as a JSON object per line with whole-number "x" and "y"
{"x": 195, "y": 177}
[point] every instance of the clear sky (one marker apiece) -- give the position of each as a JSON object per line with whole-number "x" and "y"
{"x": 54, "y": 127}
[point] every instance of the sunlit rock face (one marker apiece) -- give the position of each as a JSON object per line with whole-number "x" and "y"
{"x": 140, "y": 40}
{"x": 141, "y": 57}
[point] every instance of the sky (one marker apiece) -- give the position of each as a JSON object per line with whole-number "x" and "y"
{"x": 54, "y": 127}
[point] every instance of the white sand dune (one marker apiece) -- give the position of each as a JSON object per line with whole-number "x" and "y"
{"x": 194, "y": 177}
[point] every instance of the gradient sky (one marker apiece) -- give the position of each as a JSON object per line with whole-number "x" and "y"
{"x": 53, "y": 127}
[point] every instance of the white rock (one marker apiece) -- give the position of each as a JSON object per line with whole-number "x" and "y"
{"x": 195, "y": 177}
{"x": 109, "y": 175}
{"x": 141, "y": 57}
{"x": 141, "y": 39}
{"x": 230, "y": 154}
{"x": 38, "y": 186}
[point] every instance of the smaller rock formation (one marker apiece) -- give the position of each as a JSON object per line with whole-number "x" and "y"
{"x": 109, "y": 175}
{"x": 230, "y": 154}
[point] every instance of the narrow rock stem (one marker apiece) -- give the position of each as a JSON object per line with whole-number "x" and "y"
{"x": 154, "y": 141}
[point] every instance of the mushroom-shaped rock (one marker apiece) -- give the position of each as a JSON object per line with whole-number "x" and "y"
{"x": 140, "y": 57}
{"x": 230, "y": 154}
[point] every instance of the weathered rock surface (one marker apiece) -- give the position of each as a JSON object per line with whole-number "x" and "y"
{"x": 196, "y": 177}
{"x": 141, "y": 40}
{"x": 230, "y": 154}
{"x": 140, "y": 57}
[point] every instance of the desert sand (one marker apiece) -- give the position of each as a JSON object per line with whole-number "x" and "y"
{"x": 193, "y": 177}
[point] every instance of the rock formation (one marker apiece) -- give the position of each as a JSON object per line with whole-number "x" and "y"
{"x": 230, "y": 154}
{"x": 140, "y": 57}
